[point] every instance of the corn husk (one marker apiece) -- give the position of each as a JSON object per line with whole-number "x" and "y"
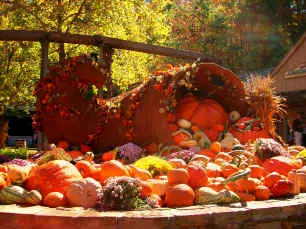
{"x": 264, "y": 103}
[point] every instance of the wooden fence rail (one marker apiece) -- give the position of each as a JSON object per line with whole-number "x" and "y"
{"x": 97, "y": 40}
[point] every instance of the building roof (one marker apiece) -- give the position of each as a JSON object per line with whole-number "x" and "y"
{"x": 290, "y": 74}
{"x": 289, "y": 54}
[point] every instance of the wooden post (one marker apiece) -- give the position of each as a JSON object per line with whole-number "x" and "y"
{"x": 44, "y": 57}
{"x": 42, "y": 143}
{"x": 105, "y": 60}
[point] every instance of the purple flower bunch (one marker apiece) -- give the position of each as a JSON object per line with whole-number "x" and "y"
{"x": 152, "y": 202}
{"x": 121, "y": 193}
{"x": 20, "y": 162}
{"x": 186, "y": 155}
{"x": 129, "y": 152}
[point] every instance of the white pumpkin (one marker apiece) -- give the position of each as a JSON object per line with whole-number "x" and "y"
{"x": 84, "y": 193}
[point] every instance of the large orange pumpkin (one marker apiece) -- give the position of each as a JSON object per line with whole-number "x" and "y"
{"x": 3, "y": 182}
{"x": 53, "y": 176}
{"x": 3, "y": 168}
{"x": 206, "y": 114}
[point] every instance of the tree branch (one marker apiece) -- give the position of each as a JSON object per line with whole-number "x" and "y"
{"x": 10, "y": 56}
{"x": 76, "y": 15}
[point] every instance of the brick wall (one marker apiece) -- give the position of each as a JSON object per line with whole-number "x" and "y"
{"x": 272, "y": 214}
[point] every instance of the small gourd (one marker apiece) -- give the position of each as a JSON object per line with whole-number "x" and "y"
{"x": 202, "y": 158}
{"x": 202, "y": 139}
{"x": 14, "y": 194}
{"x": 181, "y": 135}
{"x": 89, "y": 156}
{"x": 228, "y": 142}
{"x": 183, "y": 123}
{"x": 234, "y": 116}
{"x": 139, "y": 173}
{"x": 33, "y": 197}
{"x": 301, "y": 173}
{"x": 188, "y": 143}
{"x": 18, "y": 174}
{"x": 206, "y": 195}
{"x": 55, "y": 199}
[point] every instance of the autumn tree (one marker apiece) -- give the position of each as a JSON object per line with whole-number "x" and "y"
{"x": 130, "y": 20}
{"x": 246, "y": 35}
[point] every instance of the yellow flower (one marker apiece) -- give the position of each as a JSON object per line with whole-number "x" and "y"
{"x": 155, "y": 165}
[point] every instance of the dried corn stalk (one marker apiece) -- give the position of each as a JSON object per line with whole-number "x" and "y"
{"x": 264, "y": 103}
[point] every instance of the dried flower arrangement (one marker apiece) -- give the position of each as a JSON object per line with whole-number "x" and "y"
{"x": 264, "y": 103}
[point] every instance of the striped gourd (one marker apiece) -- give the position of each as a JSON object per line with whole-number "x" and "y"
{"x": 13, "y": 195}
{"x": 33, "y": 197}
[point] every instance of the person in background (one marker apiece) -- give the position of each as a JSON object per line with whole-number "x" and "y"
{"x": 304, "y": 133}
{"x": 297, "y": 126}
{"x": 290, "y": 135}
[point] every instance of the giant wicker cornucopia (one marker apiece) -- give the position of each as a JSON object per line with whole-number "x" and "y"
{"x": 68, "y": 109}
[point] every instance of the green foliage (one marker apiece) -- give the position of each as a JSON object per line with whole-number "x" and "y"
{"x": 92, "y": 91}
{"x": 130, "y": 20}
{"x": 19, "y": 70}
{"x": 135, "y": 21}
{"x": 21, "y": 153}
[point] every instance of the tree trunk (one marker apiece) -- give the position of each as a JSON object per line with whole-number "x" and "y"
{"x": 61, "y": 51}
{"x": 3, "y": 130}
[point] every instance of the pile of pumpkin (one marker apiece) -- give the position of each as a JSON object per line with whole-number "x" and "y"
{"x": 182, "y": 178}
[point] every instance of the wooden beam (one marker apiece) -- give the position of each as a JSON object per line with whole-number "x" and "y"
{"x": 22, "y": 35}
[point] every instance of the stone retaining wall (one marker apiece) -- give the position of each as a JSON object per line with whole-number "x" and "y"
{"x": 272, "y": 214}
